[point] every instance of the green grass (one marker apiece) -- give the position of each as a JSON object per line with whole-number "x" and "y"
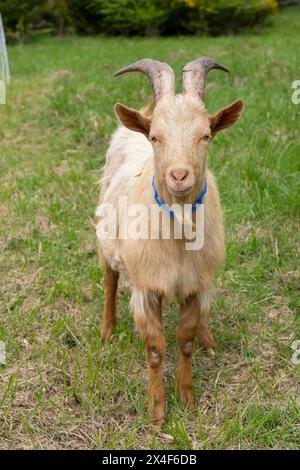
{"x": 61, "y": 388}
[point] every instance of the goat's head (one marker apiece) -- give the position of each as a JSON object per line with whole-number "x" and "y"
{"x": 180, "y": 127}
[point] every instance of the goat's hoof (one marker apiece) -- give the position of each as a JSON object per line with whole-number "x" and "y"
{"x": 159, "y": 421}
{"x": 106, "y": 334}
{"x": 211, "y": 352}
{"x": 158, "y": 414}
{"x": 206, "y": 339}
{"x": 187, "y": 398}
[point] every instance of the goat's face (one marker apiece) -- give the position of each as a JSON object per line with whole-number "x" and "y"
{"x": 180, "y": 130}
{"x": 180, "y": 127}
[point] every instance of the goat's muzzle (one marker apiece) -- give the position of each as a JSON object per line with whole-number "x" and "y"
{"x": 180, "y": 181}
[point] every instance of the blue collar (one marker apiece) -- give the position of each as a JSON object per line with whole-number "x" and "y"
{"x": 165, "y": 206}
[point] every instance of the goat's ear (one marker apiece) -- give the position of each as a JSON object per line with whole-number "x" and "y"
{"x": 226, "y": 117}
{"x": 132, "y": 119}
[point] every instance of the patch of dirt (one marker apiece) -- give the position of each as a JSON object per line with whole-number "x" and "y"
{"x": 61, "y": 74}
{"x": 43, "y": 225}
{"x": 62, "y": 169}
{"x": 290, "y": 276}
{"x": 278, "y": 309}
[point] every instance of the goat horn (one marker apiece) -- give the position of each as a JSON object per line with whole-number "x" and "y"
{"x": 194, "y": 74}
{"x": 159, "y": 73}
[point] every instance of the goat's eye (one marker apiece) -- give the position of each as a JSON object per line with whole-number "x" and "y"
{"x": 206, "y": 137}
{"x": 153, "y": 139}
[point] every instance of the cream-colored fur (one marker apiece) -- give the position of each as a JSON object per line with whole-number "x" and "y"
{"x": 164, "y": 266}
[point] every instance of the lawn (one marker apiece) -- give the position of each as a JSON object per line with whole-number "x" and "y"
{"x": 61, "y": 388}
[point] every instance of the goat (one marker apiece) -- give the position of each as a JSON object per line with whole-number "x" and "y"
{"x": 164, "y": 156}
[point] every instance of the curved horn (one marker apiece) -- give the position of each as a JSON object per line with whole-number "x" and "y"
{"x": 159, "y": 73}
{"x": 194, "y": 74}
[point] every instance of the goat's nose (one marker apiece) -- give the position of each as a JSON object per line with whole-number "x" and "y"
{"x": 179, "y": 174}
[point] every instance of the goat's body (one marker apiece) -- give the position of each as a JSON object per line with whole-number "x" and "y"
{"x": 161, "y": 266}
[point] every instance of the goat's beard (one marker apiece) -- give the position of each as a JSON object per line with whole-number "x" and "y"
{"x": 184, "y": 218}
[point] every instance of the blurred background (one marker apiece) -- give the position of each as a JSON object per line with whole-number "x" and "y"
{"x": 23, "y": 19}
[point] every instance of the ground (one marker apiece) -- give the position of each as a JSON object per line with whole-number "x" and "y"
{"x": 61, "y": 387}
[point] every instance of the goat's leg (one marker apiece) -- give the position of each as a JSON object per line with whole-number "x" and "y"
{"x": 110, "y": 290}
{"x": 147, "y": 314}
{"x": 204, "y": 335}
{"x": 186, "y": 332}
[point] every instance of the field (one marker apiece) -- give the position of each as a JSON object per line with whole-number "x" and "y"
{"x": 61, "y": 388}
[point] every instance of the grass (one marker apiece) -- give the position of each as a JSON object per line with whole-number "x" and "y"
{"x": 62, "y": 388}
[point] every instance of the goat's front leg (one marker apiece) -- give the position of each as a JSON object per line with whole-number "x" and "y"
{"x": 147, "y": 314}
{"x": 186, "y": 332}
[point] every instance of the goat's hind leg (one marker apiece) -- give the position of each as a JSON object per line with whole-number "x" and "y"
{"x": 204, "y": 334}
{"x": 111, "y": 278}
